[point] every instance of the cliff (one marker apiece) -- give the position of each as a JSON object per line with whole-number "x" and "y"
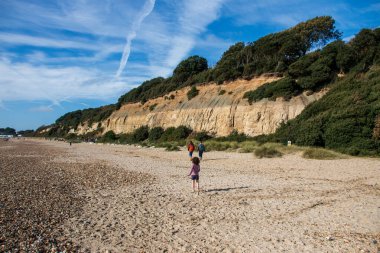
{"x": 217, "y": 109}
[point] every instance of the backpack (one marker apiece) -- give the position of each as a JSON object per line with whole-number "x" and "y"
{"x": 201, "y": 147}
{"x": 191, "y": 148}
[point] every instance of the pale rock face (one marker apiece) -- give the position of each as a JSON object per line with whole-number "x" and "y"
{"x": 209, "y": 111}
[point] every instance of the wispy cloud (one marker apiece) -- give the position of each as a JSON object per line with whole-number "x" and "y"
{"x": 168, "y": 39}
{"x": 42, "y": 108}
{"x": 20, "y": 39}
{"x": 24, "y": 81}
{"x": 147, "y": 9}
{"x": 195, "y": 16}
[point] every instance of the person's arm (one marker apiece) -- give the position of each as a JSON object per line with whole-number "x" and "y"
{"x": 191, "y": 170}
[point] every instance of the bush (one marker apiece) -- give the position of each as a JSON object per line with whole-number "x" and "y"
{"x": 71, "y": 136}
{"x": 151, "y": 107}
{"x": 155, "y": 133}
{"x": 320, "y": 154}
{"x": 267, "y": 152}
{"x": 285, "y": 87}
{"x": 109, "y": 136}
{"x": 125, "y": 138}
{"x": 221, "y": 92}
{"x": 193, "y": 92}
{"x": 175, "y": 134}
{"x": 140, "y": 134}
{"x": 202, "y": 136}
{"x": 233, "y": 136}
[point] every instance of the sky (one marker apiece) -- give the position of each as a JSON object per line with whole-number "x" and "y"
{"x": 58, "y": 56}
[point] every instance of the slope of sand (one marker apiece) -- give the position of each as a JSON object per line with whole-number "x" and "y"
{"x": 142, "y": 201}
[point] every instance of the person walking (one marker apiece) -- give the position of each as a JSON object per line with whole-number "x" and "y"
{"x": 194, "y": 173}
{"x": 201, "y": 149}
{"x": 190, "y": 148}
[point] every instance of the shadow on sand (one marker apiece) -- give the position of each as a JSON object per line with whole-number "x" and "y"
{"x": 226, "y": 189}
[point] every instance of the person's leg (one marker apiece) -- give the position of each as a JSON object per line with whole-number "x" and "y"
{"x": 198, "y": 185}
{"x": 193, "y": 185}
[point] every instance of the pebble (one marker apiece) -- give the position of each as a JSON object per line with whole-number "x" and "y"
{"x": 40, "y": 195}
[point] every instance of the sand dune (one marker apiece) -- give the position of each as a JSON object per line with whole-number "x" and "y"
{"x": 139, "y": 200}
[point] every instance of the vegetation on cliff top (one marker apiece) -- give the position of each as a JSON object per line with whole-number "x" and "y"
{"x": 321, "y": 67}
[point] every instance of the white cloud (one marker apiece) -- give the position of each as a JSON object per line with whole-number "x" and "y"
{"x": 195, "y": 16}
{"x": 23, "y": 81}
{"x": 19, "y": 39}
{"x": 104, "y": 18}
{"x": 42, "y": 108}
{"x": 147, "y": 9}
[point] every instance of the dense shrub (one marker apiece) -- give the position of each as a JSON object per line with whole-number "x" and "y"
{"x": 342, "y": 120}
{"x": 233, "y": 136}
{"x": 71, "y": 136}
{"x": 140, "y": 134}
{"x": 155, "y": 133}
{"x": 285, "y": 87}
{"x": 193, "y": 92}
{"x": 109, "y": 136}
{"x": 173, "y": 134}
{"x": 267, "y": 152}
{"x": 202, "y": 136}
{"x": 91, "y": 115}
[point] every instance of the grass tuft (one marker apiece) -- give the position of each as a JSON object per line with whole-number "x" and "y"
{"x": 321, "y": 154}
{"x": 172, "y": 148}
{"x": 267, "y": 152}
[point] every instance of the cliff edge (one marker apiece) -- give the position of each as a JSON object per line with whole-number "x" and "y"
{"x": 217, "y": 109}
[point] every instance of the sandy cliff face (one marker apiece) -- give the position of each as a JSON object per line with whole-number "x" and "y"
{"x": 209, "y": 111}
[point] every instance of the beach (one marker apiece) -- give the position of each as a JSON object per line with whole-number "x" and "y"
{"x": 122, "y": 198}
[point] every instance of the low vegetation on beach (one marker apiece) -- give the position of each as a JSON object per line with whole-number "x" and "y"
{"x": 176, "y": 139}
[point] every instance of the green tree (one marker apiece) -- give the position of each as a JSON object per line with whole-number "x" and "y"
{"x": 189, "y": 67}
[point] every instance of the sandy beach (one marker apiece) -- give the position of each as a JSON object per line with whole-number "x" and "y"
{"x": 114, "y": 198}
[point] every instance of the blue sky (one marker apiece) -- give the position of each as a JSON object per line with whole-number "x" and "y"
{"x": 64, "y": 55}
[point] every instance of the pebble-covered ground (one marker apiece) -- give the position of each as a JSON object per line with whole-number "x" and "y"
{"x": 37, "y": 195}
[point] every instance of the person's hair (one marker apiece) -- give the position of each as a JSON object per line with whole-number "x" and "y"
{"x": 195, "y": 160}
{"x": 191, "y": 143}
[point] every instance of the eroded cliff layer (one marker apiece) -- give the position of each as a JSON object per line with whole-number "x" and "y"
{"x": 217, "y": 109}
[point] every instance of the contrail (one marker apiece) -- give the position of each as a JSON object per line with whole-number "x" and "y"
{"x": 147, "y": 9}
